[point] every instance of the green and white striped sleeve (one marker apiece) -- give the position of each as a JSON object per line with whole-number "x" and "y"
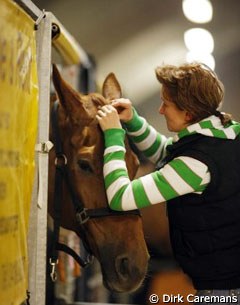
{"x": 146, "y": 138}
{"x": 181, "y": 176}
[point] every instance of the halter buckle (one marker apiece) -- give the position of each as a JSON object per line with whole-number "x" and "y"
{"x": 82, "y": 216}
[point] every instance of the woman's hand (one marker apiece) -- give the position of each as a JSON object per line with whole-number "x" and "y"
{"x": 124, "y": 109}
{"x": 108, "y": 117}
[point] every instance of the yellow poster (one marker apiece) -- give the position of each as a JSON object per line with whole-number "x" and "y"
{"x": 18, "y": 126}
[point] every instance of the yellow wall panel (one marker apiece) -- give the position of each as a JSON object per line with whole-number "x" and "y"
{"x": 18, "y": 127}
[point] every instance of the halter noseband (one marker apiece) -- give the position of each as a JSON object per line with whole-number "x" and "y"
{"x": 82, "y": 214}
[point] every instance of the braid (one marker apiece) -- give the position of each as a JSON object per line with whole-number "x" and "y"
{"x": 225, "y": 118}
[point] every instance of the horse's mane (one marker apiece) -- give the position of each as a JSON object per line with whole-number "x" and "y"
{"x": 98, "y": 100}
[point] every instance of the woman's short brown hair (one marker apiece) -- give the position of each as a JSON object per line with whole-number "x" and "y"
{"x": 192, "y": 87}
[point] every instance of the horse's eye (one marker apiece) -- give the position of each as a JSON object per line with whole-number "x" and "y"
{"x": 85, "y": 166}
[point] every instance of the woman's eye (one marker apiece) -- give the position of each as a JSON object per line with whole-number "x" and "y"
{"x": 85, "y": 166}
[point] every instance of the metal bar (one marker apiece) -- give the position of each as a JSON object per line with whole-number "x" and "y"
{"x": 67, "y": 46}
{"x": 69, "y": 49}
{"x": 30, "y": 8}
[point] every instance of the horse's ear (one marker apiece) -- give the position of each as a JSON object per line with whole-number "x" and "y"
{"x": 111, "y": 87}
{"x": 69, "y": 98}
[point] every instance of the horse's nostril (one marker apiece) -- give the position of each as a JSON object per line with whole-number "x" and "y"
{"x": 122, "y": 267}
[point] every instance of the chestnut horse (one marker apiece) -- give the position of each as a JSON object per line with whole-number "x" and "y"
{"x": 117, "y": 241}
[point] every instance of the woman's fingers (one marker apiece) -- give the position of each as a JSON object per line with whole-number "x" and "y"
{"x": 124, "y": 108}
{"x": 108, "y": 118}
{"x": 98, "y": 117}
{"x": 103, "y": 111}
{"x": 123, "y": 102}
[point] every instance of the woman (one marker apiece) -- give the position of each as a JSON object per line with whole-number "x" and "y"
{"x": 198, "y": 175}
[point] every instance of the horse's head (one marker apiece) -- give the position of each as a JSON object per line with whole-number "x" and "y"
{"x": 117, "y": 241}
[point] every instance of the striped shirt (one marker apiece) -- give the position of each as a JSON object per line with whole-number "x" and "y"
{"x": 180, "y": 176}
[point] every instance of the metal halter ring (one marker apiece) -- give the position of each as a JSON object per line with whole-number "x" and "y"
{"x": 60, "y": 160}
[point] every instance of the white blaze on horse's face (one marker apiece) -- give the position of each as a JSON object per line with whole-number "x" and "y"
{"x": 117, "y": 241}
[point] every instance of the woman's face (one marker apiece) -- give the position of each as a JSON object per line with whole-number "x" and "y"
{"x": 176, "y": 119}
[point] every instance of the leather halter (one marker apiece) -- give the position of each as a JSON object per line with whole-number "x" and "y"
{"x": 82, "y": 214}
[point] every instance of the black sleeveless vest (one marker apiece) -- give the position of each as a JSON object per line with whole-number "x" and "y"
{"x": 205, "y": 229}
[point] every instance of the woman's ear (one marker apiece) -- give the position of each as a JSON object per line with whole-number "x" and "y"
{"x": 188, "y": 117}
